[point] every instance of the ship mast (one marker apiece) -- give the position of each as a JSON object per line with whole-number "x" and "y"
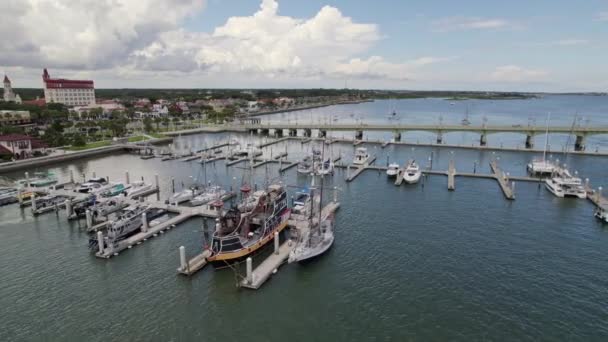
{"x": 546, "y": 137}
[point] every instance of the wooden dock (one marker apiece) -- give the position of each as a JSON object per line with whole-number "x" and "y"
{"x": 503, "y": 180}
{"x": 215, "y": 147}
{"x": 195, "y": 264}
{"x": 358, "y": 170}
{"x": 272, "y": 142}
{"x": 451, "y": 174}
{"x": 237, "y": 161}
{"x": 268, "y": 266}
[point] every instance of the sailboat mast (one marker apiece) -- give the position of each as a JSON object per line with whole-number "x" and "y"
{"x": 321, "y": 192}
{"x": 546, "y": 136}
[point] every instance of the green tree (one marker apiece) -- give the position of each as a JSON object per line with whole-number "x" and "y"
{"x": 148, "y": 125}
{"x": 78, "y": 140}
{"x": 157, "y": 121}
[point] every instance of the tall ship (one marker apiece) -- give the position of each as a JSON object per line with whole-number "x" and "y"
{"x": 246, "y": 228}
{"x": 540, "y": 166}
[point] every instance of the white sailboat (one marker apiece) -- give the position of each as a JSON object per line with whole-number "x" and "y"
{"x": 542, "y": 166}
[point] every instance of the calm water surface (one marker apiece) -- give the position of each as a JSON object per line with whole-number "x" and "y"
{"x": 409, "y": 263}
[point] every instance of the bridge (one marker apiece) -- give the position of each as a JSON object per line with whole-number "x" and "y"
{"x": 529, "y": 131}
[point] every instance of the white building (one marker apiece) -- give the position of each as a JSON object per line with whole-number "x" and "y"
{"x": 68, "y": 92}
{"x": 9, "y": 94}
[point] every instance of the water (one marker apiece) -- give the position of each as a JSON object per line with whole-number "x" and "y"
{"x": 409, "y": 263}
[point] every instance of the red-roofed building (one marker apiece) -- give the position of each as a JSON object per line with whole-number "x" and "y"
{"x": 68, "y": 92}
{"x": 37, "y": 102}
{"x": 20, "y": 146}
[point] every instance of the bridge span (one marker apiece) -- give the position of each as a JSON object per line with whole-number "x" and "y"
{"x": 529, "y": 131}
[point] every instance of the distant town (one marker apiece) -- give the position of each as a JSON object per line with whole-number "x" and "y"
{"x": 73, "y": 115}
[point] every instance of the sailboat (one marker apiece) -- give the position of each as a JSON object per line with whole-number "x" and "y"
{"x": 543, "y": 166}
{"x": 316, "y": 240}
{"x": 465, "y": 121}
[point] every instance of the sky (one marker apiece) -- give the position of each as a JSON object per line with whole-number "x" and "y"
{"x": 518, "y": 45}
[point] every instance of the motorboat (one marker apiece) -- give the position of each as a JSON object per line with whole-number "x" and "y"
{"x": 325, "y": 168}
{"x": 89, "y": 187}
{"x": 8, "y": 195}
{"x": 361, "y": 156}
{"x": 138, "y": 188}
{"x": 412, "y": 173}
{"x": 563, "y": 184}
{"x": 392, "y": 170}
{"x": 114, "y": 189}
{"x": 105, "y": 207}
{"x": 48, "y": 201}
{"x": 305, "y": 166}
{"x": 211, "y": 193}
{"x": 39, "y": 179}
{"x": 184, "y": 195}
{"x": 128, "y": 223}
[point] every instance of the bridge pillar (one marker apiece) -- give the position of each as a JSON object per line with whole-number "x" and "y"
{"x": 264, "y": 131}
{"x": 253, "y": 131}
{"x": 307, "y": 132}
{"x": 322, "y": 133}
{"x": 359, "y": 135}
{"x": 397, "y": 136}
{"x": 293, "y": 132}
{"x": 529, "y": 141}
{"x": 483, "y": 139}
{"x": 579, "y": 145}
{"x": 278, "y": 132}
{"x": 440, "y": 137}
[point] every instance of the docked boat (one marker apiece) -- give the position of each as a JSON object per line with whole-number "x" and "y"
{"x": 465, "y": 121}
{"x": 138, "y": 188}
{"x": 392, "y": 170}
{"x": 80, "y": 208}
{"x": 601, "y": 215}
{"x": 361, "y": 156}
{"x": 114, "y": 189}
{"x": 325, "y": 168}
{"x": 48, "y": 201}
{"x": 540, "y": 166}
{"x": 8, "y": 195}
{"x": 184, "y": 195}
{"x": 211, "y": 193}
{"x": 39, "y": 179}
{"x": 412, "y": 173}
{"x": 305, "y": 166}
{"x": 316, "y": 242}
{"x": 108, "y": 206}
{"x": 244, "y": 230}
{"x": 563, "y": 184}
{"x": 127, "y": 224}
{"x": 92, "y": 187}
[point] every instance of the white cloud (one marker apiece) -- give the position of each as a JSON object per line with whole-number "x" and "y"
{"x": 459, "y": 23}
{"x": 602, "y": 16}
{"x": 84, "y": 34}
{"x": 571, "y": 42}
{"x": 514, "y": 73}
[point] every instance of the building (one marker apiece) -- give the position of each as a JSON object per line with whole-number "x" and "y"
{"x": 68, "y": 92}
{"x": 14, "y": 117}
{"x": 20, "y": 146}
{"x": 9, "y": 94}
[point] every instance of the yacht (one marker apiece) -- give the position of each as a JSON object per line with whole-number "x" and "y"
{"x": 114, "y": 189}
{"x": 211, "y": 193}
{"x": 305, "y": 166}
{"x": 138, "y": 188}
{"x": 80, "y": 208}
{"x": 243, "y": 230}
{"x": 8, "y": 195}
{"x": 40, "y": 179}
{"x": 563, "y": 184}
{"x": 48, "y": 201}
{"x": 127, "y": 224}
{"x": 392, "y": 170}
{"x": 412, "y": 173}
{"x": 184, "y": 195}
{"x": 105, "y": 207}
{"x": 325, "y": 168}
{"x": 361, "y": 156}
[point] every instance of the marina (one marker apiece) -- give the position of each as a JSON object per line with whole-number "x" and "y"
{"x": 397, "y": 232}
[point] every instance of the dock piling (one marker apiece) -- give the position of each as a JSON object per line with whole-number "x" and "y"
{"x": 100, "y": 241}
{"x": 172, "y": 185}
{"x": 249, "y": 270}
{"x": 68, "y": 207}
{"x": 157, "y": 187}
{"x": 27, "y": 179}
{"x": 72, "y": 176}
{"x": 276, "y": 242}
{"x": 89, "y": 219}
{"x": 127, "y": 177}
{"x": 33, "y": 201}
{"x": 182, "y": 258}
{"x": 335, "y": 194}
{"x": 94, "y": 175}
{"x": 144, "y": 220}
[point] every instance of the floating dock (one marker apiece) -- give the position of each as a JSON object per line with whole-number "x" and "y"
{"x": 451, "y": 173}
{"x": 258, "y": 277}
{"x": 350, "y": 177}
{"x": 503, "y": 181}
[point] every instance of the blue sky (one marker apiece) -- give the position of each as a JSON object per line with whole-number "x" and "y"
{"x": 478, "y": 45}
